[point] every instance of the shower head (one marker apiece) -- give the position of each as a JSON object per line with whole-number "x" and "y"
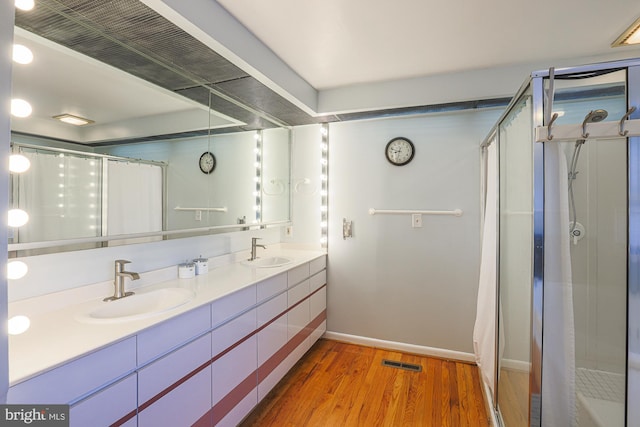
{"x": 595, "y": 116}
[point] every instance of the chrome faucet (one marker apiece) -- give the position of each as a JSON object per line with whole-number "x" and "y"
{"x": 254, "y": 245}
{"x": 118, "y": 282}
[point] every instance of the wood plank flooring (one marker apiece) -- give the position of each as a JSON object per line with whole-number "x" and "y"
{"x": 339, "y": 384}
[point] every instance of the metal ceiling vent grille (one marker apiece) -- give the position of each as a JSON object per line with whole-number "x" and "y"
{"x": 400, "y": 365}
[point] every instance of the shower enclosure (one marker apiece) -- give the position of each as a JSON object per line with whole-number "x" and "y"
{"x": 566, "y": 349}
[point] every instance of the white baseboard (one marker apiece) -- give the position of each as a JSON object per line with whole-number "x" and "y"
{"x": 407, "y": 348}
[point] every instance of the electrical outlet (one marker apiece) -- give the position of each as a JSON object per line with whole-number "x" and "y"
{"x": 198, "y": 215}
{"x": 416, "y": 220}
{"x": 288, "y": 231}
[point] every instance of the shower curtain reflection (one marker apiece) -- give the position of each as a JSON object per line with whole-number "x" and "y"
{"x": 61, "y": 193}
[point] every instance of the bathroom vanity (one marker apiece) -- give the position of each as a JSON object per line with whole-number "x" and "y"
{"x": 208, "y": 361}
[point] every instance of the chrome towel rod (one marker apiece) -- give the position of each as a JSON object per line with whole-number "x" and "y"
{"x": 224, "y": 209}
{"x": 455, "y": 212}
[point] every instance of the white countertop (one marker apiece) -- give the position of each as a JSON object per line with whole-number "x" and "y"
{"x": 56, "y": 336}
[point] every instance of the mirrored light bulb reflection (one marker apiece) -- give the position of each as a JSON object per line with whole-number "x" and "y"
{"x": 17, "y": 218}
{"x": 18, "y": 325}
{"x": 20, "y": 108}
{"x": 24, "y": 4}
{"x": 22, "y": 54}
{"x": 18, "y": 163}
{"x": 16, "y": 270}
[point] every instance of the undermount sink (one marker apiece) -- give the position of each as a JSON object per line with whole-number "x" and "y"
{"x": 273, "y": 261}
{"x": 138, "y": 306}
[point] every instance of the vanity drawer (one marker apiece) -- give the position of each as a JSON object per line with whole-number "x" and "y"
{"x": 231, "y": 305}
{"x": 318, "y": 264}
{"x": 159, "y": 339}
{"x": 108, "y": 406}
{"x": 317, "y": 280}
{"x": 272, "y": 286}
{"x": 162, "y": 374}
{"x": 232, "y": 332}
{"x": 79, "y": 377}
{"x": 297, "y": 275}
{"x": 297, "y": 293}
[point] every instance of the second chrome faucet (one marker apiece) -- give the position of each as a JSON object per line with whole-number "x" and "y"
{"x": 118, "y": 281}
{"x": 254, "y": 245}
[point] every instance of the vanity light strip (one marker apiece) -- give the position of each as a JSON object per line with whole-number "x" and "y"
{"x": 262, "y": 371}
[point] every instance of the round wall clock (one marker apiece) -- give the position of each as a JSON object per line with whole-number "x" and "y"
{"x": 399, "y": 151}
{"x": 207, "y": 162}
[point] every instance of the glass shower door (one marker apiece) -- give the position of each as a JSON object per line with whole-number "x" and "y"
{"x": 515, "y": 263}
{"x": 586, "y": 270}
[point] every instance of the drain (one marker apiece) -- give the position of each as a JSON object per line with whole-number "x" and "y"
{"x": 401, "y": 365}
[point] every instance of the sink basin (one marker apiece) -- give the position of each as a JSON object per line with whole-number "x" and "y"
{"x": 273, "y": 261}
{"x": 138, "y": 306}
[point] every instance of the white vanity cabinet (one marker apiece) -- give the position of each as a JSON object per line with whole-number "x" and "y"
{"x": 272, "y": 332}
{"x": 176, "y": 389}
{"x": 233, "y": 361}
{"x": 317, "y": 306}
{"x": 114, "y": 405}
{"x": 77, "y": 378}
{"x": 174, "y": 378}
{"x": 75, "y": 381}
{"x": 208, "y": 366}
{"x": 233, "y": 368}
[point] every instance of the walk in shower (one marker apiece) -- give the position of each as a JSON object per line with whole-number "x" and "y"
{"x": 565, "y": 161}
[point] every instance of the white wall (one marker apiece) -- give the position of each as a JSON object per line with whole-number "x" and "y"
{"x": 390, "y": 281}
{"x": 6, "y": 40}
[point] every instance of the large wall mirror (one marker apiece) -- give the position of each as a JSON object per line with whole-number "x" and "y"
{"x": 163, "y": 154}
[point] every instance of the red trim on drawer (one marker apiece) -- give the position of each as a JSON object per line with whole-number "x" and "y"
{"x": 235, "y": 396}
{"x": 126, "y": 418}
{"x": 272, "y": 363}
{"x": 173, "y": 386}
{"x": 205, "y": 421}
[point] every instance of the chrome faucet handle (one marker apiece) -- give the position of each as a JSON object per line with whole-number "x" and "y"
{"x": 122, "y": 261}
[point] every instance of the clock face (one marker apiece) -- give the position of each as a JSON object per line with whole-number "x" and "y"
{"x": 399, "y": 151}
{"x": 207, "y": 162}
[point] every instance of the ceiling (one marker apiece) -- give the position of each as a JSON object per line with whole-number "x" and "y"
{"x": 338, "y": 43}
{"x": 263, "y": 64}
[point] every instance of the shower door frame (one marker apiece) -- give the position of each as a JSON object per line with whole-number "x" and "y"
{"x": 537, "y": 82}
{"x": 633, "y": 233}
{"x": 632, "y": 67}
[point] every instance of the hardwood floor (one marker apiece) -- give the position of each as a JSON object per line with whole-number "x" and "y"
{"x": 339, "y": 384}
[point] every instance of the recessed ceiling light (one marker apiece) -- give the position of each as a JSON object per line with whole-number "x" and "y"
{"x": 73, "y": 120}
{"x": 630, "y": 36}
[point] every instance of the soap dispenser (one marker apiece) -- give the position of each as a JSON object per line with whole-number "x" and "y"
{"x": 202, "y": 265}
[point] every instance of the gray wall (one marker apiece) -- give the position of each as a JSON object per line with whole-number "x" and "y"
{"x": 391, "y": 281}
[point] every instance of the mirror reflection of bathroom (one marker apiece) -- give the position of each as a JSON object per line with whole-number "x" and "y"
{"x": 597, "y": 208}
